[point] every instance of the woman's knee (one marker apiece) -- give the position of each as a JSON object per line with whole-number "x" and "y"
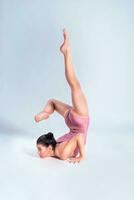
{"x": 51, "y": 100}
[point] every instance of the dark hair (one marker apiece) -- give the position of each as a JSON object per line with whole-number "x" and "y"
{"x": 47, "y": 139}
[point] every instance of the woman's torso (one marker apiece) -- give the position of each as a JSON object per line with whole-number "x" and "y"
{"x": 61, "y": 145}
{"x": 77, "y": 124}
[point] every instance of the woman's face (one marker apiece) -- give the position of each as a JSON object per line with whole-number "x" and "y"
{"x": 43, "y": 151}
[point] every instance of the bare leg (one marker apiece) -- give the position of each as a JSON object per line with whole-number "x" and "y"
{"x": 78, "y": 98}
{"x": 51, "y": 106}
{"x": 79, "y": 101}
{"x": 44, "y": 114}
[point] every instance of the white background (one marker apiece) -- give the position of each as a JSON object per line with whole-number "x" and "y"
{"x": 32, "y": 71}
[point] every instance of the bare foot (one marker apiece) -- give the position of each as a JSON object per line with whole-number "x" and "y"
{"x": 42, "y": 115}
{"x": 65, "y": 46}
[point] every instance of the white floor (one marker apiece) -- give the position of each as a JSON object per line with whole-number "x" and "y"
{"x": 107, "y": 173}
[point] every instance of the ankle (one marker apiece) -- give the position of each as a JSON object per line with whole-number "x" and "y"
{"x": 67, "y": 51}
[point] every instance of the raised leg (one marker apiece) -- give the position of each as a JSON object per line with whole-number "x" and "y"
{"x": 79, "y": 101}
{"x": 51, "y": 106}
{"x": 61, "y": 107}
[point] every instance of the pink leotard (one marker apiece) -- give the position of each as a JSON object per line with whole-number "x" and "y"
{"x": 76, "y": 124}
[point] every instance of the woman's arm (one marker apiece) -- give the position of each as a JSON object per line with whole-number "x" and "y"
{"x": 79, "y": 141}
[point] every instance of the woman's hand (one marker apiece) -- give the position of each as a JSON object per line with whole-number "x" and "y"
{"x": 76, "y": 159}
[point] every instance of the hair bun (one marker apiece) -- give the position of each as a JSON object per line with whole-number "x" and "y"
{"x": 49, "y": 135}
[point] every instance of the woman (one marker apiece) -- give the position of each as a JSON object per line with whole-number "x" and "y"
{"x": 76, "y": 117}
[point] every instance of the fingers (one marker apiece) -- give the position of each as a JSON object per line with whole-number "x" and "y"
{"x": 70, "y": 160}
{"x": 73, "y": 160}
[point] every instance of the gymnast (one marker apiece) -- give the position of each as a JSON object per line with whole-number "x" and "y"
{"x": 71, "y": 145}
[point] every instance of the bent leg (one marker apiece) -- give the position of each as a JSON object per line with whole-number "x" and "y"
{"x": 51, "y": 106}
{"x": 61, "y": 107}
